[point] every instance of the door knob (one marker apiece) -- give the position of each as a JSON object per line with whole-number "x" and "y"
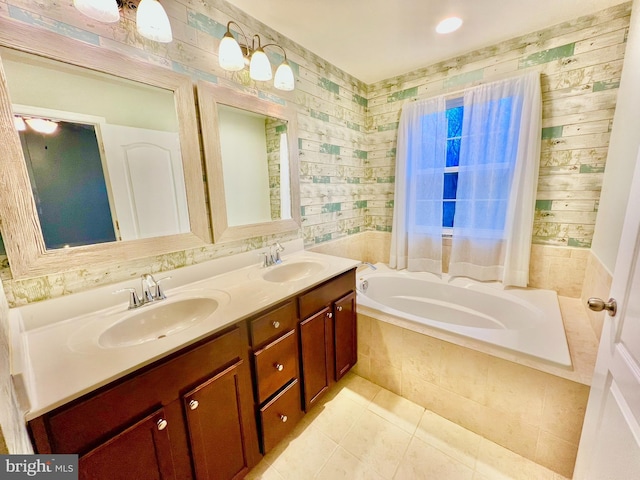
{"x": 598, "y": 305}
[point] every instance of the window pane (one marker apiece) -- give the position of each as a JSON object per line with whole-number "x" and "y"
{"x": 450, "y": 186}
{"x": 454, "y": 122}
{"x": 453, "y": 152}
{"x": 448, "y": 212}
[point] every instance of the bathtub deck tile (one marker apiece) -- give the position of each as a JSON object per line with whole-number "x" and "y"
{"x": 376, "y": 448}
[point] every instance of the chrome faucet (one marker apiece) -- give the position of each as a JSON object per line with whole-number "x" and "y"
{"x": 367, "y": 264}
{"x": 272, "y": 257}
{"x": 149, "y": 288}
{"x": 151, "y": 291}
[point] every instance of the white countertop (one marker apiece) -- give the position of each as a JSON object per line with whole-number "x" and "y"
{"x": 56, "y": 359}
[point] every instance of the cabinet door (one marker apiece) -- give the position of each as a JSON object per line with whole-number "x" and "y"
{"x": 314, "y": 339}
{"x": 215, "y": 421}
{"x": 346, "y": 341}
{"x": 141, "y": 451}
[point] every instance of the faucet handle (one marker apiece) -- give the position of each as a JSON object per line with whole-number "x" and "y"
{"x": 277, "y": 248}
{"x": 134, "y": 299}
{"x": 159, "y": 293}
{"x": 265, "y": 259}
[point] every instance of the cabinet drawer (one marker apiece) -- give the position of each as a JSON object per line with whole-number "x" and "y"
{"x": 280, "y": 415}
{"x": 326, "y": 293}
{"x": 87, "y": 422}
{"x": 270, "y": 326}
{"x": 276, "y": 364}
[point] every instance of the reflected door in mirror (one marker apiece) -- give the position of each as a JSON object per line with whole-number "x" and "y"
{"x": 68, "y": 183}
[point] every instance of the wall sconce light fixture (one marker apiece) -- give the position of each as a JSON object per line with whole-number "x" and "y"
{"x": 234, "y": 56}
{"x": 151, "y": 19}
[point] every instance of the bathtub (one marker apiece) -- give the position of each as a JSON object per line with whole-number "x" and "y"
{"x": 525, "y": 321}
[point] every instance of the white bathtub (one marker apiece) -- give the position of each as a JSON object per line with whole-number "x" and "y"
{"x": 526, "y": 321}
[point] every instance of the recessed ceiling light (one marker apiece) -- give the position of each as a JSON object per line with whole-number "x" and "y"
{"x": 449, "y": 25}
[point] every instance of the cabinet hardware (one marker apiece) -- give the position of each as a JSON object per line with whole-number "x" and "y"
{"x": 279, "y": 367}
{"x": 284, "y": 418}
{"x": 339, "y": 308}
{"x": 162, "y": 424}
{"x": 329, "y": 315}
{"x": 276, "y": 324}
{"x": 193, "y": 404}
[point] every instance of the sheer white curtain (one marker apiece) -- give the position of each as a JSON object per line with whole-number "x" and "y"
{"x": 497, "y": 180}
{"x": 416, "y": 240}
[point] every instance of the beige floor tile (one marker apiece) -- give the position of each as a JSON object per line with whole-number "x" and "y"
{"x": 498, "y": 463}
{"x": 377, "y": 442}
{"x": 344, "y": 466}
{"x": 336, "y": 417}
{"x": 451, "y": 438}
{"x": 301, "y": 457}
{"x": 357, "y": 389}
{"x": 398, "y": 410}
{"x": 422, "y": 461}
{"x": 264, "y": 471}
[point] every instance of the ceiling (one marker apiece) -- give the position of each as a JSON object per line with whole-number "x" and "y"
{"x": 375, "y": 40}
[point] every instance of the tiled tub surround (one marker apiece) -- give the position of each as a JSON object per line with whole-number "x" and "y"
{"x": 529, "y": 407}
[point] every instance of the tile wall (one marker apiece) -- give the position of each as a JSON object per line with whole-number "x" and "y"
{"x": 533, "y": 413}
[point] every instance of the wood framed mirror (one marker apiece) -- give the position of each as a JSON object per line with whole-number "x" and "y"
{"x": 29, "y": 252}
{"x": 251, "y": 155}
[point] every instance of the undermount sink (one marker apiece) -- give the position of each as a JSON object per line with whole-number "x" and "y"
{"x": 157, "y": 321}
{"x": 290, "y": 272}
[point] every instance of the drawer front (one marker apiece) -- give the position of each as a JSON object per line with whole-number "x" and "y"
{"x": 280, "y": 415}
{"x": 315, "y": 300}
{"x": 276, "y": 364}
{"x": 87, "y": 422}
{"x": 270, "y": 326}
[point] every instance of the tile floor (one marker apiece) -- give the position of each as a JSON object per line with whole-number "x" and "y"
{"x": 364, "y": 432}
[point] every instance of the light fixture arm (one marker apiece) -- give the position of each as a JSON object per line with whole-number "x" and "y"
{"x": 246, "y": 40}
{"x": 276, "y": 45}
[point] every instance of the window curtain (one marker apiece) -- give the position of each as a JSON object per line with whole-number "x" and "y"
{"x": 416, "y": 240}
{"x": 497, "y": 181}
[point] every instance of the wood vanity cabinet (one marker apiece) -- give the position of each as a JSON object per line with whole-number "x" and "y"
{"x": 186, "y": 416}
{"x": 328, "y": 340}
{"x": 276, "y": 374}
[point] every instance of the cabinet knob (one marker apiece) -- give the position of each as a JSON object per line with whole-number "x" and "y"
{"x": 276, "y": 324}
{"x": 284, "y": 418}
{"x": 162, "y": 424}
{"x": 339, "y": 308}
{"x": 193, "y": 404}
{"x": 329, "y": 315}
{"x": 279, "y": 367}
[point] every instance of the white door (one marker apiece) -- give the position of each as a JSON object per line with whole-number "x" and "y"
{"x": 147, "y": 181}
{"x": 610, "y": 442}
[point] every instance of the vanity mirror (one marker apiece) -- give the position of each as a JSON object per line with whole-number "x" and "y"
{"x": 251, "y": 155}
{"x": 136, "y": 122}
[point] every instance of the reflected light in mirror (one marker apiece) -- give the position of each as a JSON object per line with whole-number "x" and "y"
{"x": 42, "y": 125}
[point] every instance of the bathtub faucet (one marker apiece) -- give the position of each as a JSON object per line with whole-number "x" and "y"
{"x": 367, "y": 264}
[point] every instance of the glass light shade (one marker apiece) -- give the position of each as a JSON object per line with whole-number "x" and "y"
{"x": 153, "y": 22}
{"x": 229, "y": 54}
{"x": 284, "y": 78}
{"x": 41, "y": 125}
{"x": 102, "y": 10}
{"x": 260, "y": 68}
{"x": 449, "y": 25}
{"x": 18, "y": 122}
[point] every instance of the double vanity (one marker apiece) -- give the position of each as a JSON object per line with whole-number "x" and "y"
{"x": 197, "y": 385}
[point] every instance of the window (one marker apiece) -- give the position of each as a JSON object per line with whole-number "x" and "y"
{"x": 454, "y": 115}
